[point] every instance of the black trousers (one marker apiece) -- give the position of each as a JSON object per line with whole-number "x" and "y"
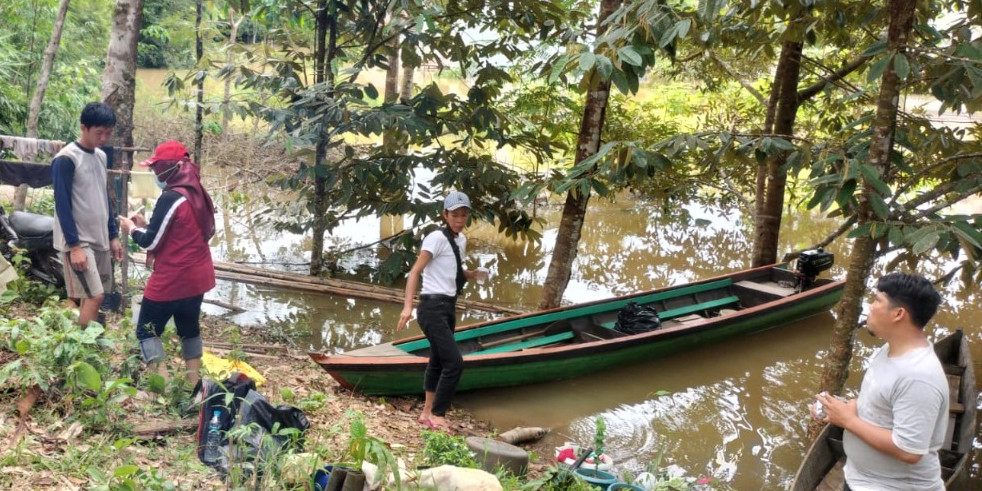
{"x": 437, "y": 317}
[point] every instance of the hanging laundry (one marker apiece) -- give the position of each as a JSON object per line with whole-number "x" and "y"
{"x": 30, "y": 173}
{"x": 27, "y": 149}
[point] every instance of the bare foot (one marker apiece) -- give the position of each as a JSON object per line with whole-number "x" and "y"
{"x": 440, "y": 423}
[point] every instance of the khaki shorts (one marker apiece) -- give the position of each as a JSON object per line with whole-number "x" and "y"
{"x": 95, "y": 280}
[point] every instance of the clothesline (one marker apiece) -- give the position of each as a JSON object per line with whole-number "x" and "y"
{"x": 38, "y": 174}
{"x": 27, "y": 149}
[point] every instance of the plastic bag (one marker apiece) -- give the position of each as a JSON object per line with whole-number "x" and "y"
{"x": 636, "y": 319}
{"x": 268, "y": 430}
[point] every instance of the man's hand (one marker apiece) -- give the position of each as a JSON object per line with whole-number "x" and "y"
{"x": 117, "y": 249}
{"x": 78, "y": 259}
{"x": 404, "y": 318}
{"x": 125, "y": 224}
{"x": 838, "y": 412}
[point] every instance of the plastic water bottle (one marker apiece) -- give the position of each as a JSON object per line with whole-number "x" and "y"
{"x": 213, "y": 440}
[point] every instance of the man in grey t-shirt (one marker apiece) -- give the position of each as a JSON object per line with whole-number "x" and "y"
{"x": 894, "y": 429}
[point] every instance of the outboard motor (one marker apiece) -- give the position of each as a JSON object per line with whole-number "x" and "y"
{"x": 810, "y": 263}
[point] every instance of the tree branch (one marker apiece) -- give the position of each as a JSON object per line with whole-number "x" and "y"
{"x": 837, "y": 75}
{"x": 743, "y": 83}
{"x": 917, "y": 177}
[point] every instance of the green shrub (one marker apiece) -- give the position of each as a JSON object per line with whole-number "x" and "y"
{"x": 443, "y": 449}
{"x": 56, "y": 354}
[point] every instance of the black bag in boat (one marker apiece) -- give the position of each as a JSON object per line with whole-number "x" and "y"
{"x": 635, "y": 319}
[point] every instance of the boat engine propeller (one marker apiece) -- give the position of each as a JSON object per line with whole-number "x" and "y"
{"x": 809, "y": 264}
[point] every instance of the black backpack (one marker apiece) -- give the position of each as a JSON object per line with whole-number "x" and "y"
{"x": 224, "y": 397}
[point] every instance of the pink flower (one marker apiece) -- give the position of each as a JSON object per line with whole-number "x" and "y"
{"x": 704, "y": 480}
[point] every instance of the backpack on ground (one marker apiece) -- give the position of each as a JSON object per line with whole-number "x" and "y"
{"x": 224, "y": 397}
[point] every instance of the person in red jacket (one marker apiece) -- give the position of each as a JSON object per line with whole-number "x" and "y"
{"x": 176, "y": 239}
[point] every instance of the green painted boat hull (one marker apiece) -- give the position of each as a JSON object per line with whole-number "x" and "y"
{"x": 404, "y": 375}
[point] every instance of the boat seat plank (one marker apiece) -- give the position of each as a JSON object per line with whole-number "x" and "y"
{"x": 720, "y": 302}
{"x": 582, "y": 311}
{"x": 511, "y": 339}
{"x": 688, "y": 309}
{"x": 768, "y": 287}
{"x": 531, "y": 343}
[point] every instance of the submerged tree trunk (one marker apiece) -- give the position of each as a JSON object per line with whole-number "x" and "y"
{"x": 34, "y": 111}
{"x": 574, "y": 211}
{"x": 864, "y": 250}
{"x": 771, "y": 174}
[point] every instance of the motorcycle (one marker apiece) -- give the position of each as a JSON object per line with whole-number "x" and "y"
{"x": 31, "y": 235}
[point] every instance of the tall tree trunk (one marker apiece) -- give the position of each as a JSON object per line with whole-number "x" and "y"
{"x": 574, "y": 211}
{"x": 34, "y": 111}
{"x": 323, "y": 54}
{"x": 119, "y": 76}
{"x": 233, "y": 35}
{"x": 390, "y": 137}
{"x": 864, "y": 250}
{"x": 771, "y": 175}
{"x": 406, "y": 92}
{"x": 199, "y": 108}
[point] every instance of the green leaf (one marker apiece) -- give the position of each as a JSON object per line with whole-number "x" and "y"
{"x": 22, "y": 346}
{"x": 896, "y": 236}
{"x": 126, "y": 470}
{"x": 683, "y": 27}
{"x": 968, "y": 233}
{"x": 605, "y": 67}
{"x": 872, "y": 177}
{"x": 8, "y": 296}
{"x": 901, "y": 66}
{"x": 620, "y": 81}
{"x": 860, "y": 231}
{"x": 628, "y": 54}
{"x": 879, "y": 206}
{"x": 587, "y": 60}
{"x": 876, "y": 48}
{"x": 926, "y": 243}
{"x": 558, "y": 69}
{"x": 876, "y": 71}
{"x": 87, "y": 376}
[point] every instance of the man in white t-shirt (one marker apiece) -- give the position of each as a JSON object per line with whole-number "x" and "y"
{"x": 439, "y": 268}
{"x": 894, "y": 429}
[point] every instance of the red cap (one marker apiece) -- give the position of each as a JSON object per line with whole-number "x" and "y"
{"x": 169, "y": 150}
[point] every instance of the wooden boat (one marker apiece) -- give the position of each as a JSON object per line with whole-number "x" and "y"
{"x": 580, "y": 339}
{"x": 822, "y": 468}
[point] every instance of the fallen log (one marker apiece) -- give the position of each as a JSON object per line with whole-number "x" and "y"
{"x": 523, "y": 434}
{"x": 281, "y": 279}
{"x": 246, "y": 347}
{"x": 153, "y": 429}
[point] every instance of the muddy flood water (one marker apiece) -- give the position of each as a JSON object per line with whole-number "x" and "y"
{"x": 735, "y": 411}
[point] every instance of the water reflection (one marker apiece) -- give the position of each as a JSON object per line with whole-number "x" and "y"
{"x": 735, "y": 411}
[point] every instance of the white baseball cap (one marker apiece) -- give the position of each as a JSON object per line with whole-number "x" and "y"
{"x": 456, "y": 199}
